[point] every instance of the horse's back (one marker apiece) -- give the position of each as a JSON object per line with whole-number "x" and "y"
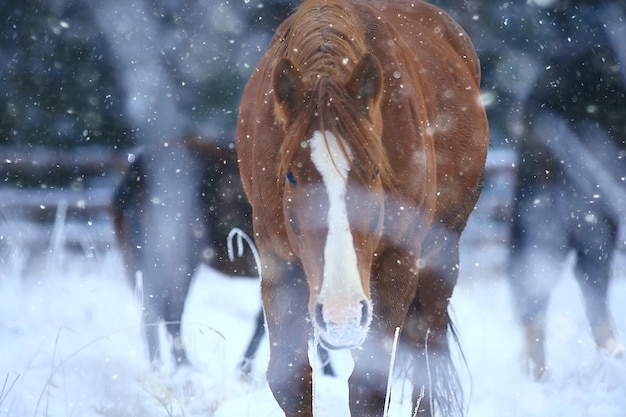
{"x": 444, "y": 71}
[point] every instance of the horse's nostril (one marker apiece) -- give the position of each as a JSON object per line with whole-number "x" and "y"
{"x": 319, "y": 316}
{"x": 364, "y": 313}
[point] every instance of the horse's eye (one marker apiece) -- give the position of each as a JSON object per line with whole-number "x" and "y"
{"x": 376, "y": 173}
{"x": 291, "y": 178}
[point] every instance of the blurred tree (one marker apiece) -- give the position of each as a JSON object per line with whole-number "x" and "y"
{"x": 65, "y": 81}
{"x": 58, "y": 85}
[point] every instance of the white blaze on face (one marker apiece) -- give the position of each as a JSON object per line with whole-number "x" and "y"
{"x": 341, "y": 286}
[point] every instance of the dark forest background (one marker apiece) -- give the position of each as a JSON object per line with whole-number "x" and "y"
{"x": 82, "y": 82}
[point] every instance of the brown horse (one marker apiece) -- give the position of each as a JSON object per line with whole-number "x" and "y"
{"x": 361, "y": 142}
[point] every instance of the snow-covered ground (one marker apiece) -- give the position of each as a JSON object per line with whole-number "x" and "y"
{"x": 70, "y": 344}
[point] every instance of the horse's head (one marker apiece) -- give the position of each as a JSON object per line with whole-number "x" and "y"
{"x": 332, "y": 171}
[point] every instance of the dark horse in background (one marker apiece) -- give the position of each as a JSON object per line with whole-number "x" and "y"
{"x": 362, "y": 139}
{"x": 173, "y": 210}
{"x": 570, "y": 189}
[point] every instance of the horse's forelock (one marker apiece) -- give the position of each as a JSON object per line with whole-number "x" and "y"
{"x": 343, "y": 117}
{"x": 325, "y": 43}
{"x": 329, "y": 109}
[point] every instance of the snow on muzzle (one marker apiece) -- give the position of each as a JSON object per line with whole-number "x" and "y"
{"x": 342, "y": 322}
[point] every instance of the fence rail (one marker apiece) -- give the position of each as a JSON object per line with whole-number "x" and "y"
{"x": 36, "y": 181}
{"x": 100, "y": 168}
{"x": 41, "y": 201}
{"x": 37, "y": 161}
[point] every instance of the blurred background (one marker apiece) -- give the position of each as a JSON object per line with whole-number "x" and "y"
{"x": 86, "y": 86}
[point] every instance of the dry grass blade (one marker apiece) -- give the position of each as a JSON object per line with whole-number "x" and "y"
{"x": 7, "y": 386}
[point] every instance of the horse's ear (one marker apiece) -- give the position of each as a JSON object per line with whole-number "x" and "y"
{"x": 366, "y": 82}
{"x": 288, "y": 90}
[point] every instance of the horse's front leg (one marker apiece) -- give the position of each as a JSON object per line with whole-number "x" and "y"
{"x": 436, "y": 386}
{"x": 285, "y": 299}
{"x": 394, "y": 280}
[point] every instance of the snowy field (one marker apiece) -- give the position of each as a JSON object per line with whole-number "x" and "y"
{"x": 71, "y": 343}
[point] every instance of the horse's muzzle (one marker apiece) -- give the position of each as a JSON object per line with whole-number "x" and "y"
{"x": 342, "y": 327}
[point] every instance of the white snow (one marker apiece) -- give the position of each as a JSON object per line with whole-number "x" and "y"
{"x": 71, "y": 345}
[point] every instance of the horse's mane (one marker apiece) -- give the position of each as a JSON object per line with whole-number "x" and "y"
{"x": 325, "y": 42}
